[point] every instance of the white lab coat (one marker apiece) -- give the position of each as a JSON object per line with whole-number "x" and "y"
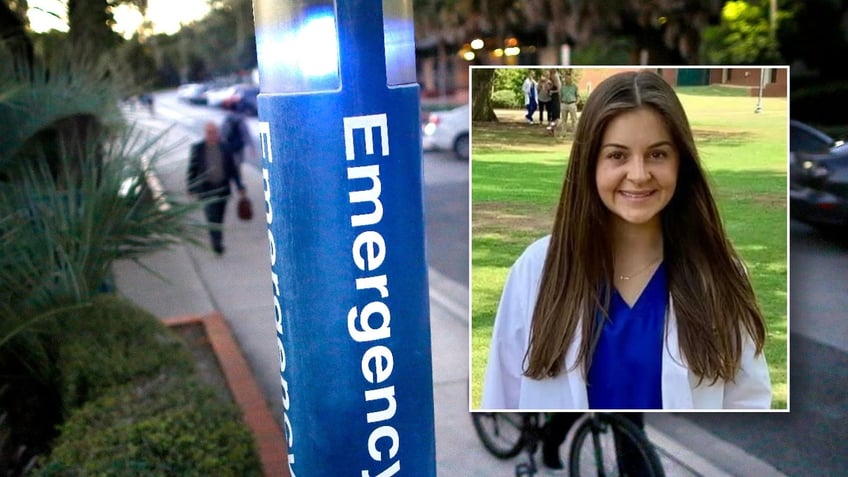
{"x": 506, "y": 387}
{"x": 528, "y": 86}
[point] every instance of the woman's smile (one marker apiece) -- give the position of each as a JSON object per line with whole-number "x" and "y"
{"x": 637, "y": 167}
{"x": 637, "y": 196}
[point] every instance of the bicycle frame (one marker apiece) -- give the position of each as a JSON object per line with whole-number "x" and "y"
{"x": 528, "y": 432}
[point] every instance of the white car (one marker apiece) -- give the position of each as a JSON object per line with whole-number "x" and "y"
{"x": 216, "y": 97}
{"x": 448, "y": 131}
{"x": 194, "y": 93}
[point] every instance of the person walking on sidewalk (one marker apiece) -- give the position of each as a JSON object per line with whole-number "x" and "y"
{"x": 211, "y": 168}
{"x": 236, "y": 136}
{"x": 530, "y": 95}
{"x": 637, "y": 299}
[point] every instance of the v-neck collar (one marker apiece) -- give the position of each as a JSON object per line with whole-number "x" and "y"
{"x": 647, "y": 288}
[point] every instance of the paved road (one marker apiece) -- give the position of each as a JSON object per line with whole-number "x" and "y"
{"x": 811, "y": 439}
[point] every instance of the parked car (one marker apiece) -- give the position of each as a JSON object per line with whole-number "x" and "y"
{"x": 194, "y": 93}
{"x": 448, "y": 131}
{"x": 243, "y": 99}
{"x": 215, "y": 97}
{"x": 818, "y": 177}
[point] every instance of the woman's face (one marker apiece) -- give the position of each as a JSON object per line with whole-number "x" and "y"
{"x": 637, "y": 167}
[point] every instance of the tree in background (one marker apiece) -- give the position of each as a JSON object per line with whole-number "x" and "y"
{"x": 668, "y": 30}
{"x": 482, "y": 82}
{"x": 13, "y": 32}
{"x": 746, "y": 35}
{"x": 502, "y": 87}
{"x": 817, "y": 37}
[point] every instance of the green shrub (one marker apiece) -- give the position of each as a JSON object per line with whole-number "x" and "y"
{"x": 510, "y": 79}
{"x": 508, "y": 99}
{"x": 114, "y": 342}
{"x": 169, "y": 425}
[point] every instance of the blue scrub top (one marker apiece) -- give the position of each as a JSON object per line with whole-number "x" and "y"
{"x": 626, "y": 371}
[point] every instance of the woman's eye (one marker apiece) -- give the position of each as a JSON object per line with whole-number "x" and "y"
{"x": 616, "y": 155}
{"x": 659, "y": 155}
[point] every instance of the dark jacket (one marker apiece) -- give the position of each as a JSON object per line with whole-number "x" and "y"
{"x": 196, "y": 177}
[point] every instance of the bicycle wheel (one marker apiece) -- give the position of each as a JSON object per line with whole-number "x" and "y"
{"x": 610, "y": 446}
{"x": 501, "y": 433}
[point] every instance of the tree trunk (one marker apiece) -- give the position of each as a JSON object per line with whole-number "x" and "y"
{"x": 481, "y": 95}
{"x": 14, "y": 37}
{"x": 90, "y": 25}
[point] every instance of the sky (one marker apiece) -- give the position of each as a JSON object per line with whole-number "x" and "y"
{"x": 166, "y": 15}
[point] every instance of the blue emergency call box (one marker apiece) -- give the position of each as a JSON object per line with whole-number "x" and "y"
{"x": 340, "y": 139}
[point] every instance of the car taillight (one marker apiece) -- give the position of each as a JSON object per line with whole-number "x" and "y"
{"x": 434, "y": 118}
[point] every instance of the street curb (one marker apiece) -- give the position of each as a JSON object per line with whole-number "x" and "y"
{"x": 682, "y": 456}
{"x": 725, "y": 458}
{"x": 256, "y": 414}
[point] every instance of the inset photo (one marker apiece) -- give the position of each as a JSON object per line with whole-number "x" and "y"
{"x": 629, "y": 238}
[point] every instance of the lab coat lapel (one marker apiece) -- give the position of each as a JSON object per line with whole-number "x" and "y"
{"x": 676, "y": 392}
{"x": 576, "y": 381}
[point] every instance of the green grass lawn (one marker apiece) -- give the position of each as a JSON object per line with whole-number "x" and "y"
{"x": 517, "y": 172}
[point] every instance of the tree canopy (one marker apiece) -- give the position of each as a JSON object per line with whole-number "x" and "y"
{"x": 611, "y": 32}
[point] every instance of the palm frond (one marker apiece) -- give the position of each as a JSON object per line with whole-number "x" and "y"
{"x": 70, "y": 83}
{"x": 73, "y": 196}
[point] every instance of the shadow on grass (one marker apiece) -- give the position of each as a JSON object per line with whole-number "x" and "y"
{"x": 526, "y": 178}
{"x": 488, "y": 137}
{"x": 506, "y": 133}
{"x": 712, "y": 137}
{"x": 763, "y": 188}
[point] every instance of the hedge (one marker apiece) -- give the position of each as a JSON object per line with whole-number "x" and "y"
{"x": 165, "y": 426}
{"x": 134, "y": 406}
{"x": 111, "y": 343}
{"x": 507, "y": 99}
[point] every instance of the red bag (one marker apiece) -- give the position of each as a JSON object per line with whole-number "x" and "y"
{"x": 245, "y": 210}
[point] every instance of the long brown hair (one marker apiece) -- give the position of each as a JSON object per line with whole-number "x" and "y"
{"x": 713, "y": 298}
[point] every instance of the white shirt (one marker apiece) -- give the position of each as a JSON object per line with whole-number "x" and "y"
{"x": 527, "y": 86}
{"x": 505, "y": 386}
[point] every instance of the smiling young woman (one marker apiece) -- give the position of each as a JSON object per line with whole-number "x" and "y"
{"x": 637, "y": 299}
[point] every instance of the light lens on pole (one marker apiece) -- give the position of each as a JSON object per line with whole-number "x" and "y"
{"x": 298, "y": 42}
{"x": 399, "y": 31}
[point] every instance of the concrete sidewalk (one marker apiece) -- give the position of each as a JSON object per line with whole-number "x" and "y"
{"x": 237, "y": 285}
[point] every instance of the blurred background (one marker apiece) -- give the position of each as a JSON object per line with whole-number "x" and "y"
{"x": 167, "y": 44}
{"x": 172, "y": 65}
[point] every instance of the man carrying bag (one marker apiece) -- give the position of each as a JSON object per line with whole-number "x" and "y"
{"x": 211, "y": 169}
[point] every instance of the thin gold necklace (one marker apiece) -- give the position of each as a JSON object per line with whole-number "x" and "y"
{"x": 622, "y": 276}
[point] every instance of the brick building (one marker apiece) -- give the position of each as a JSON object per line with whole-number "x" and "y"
{"x": 775, "y": 84}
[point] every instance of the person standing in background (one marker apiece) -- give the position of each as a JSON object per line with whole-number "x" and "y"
{"x": 530, "y": 94}
{"x": 544, "y": 88}
{"x": 569, "y": 101}
{"x": 554, "y": 106}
